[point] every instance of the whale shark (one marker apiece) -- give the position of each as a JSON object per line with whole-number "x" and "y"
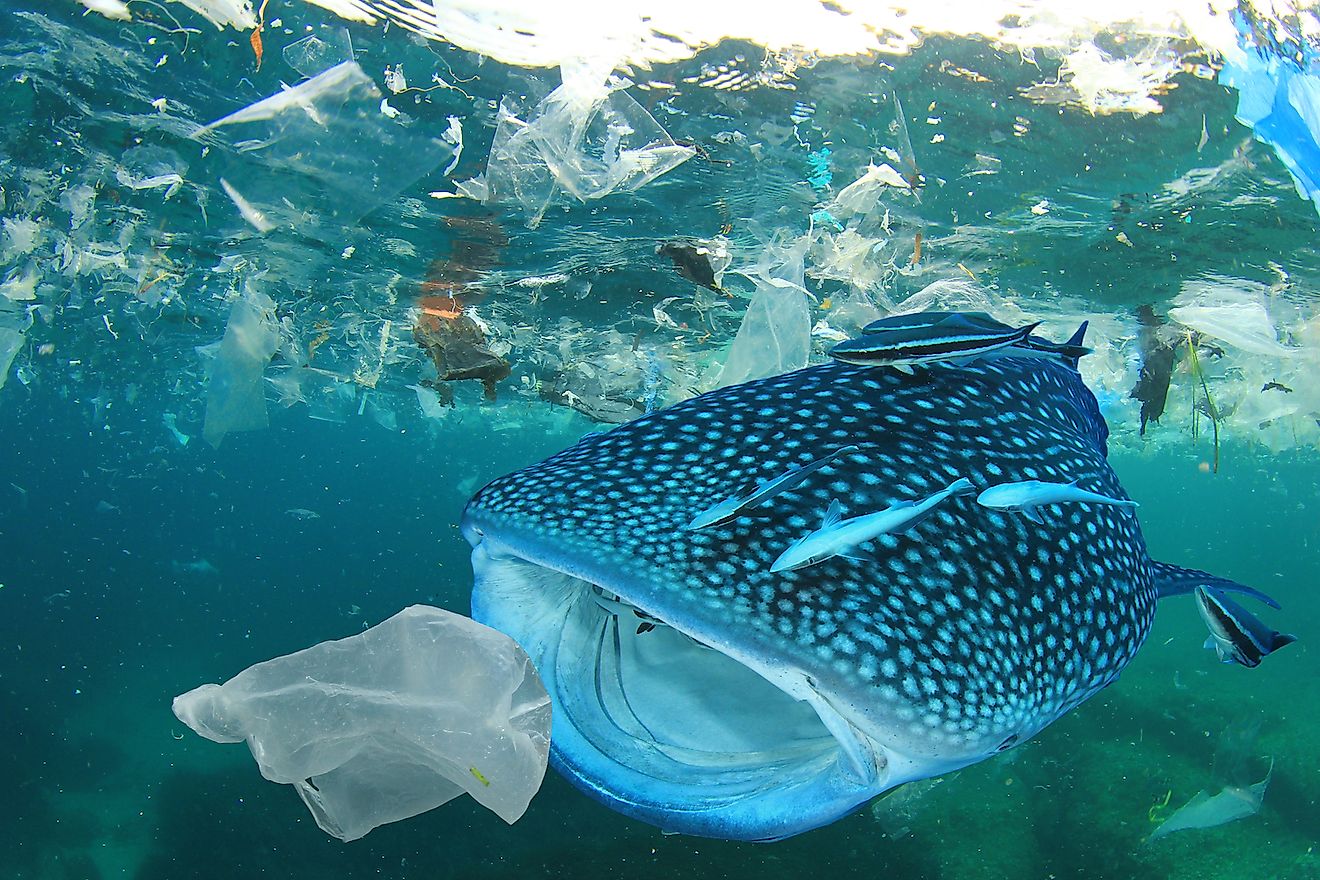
{"x": 697, "y": 689}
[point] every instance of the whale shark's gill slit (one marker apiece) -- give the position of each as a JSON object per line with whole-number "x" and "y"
{"x": 611, "y": 690}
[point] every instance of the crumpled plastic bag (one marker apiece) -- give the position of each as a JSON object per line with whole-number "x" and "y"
{"x": 588, "y": 138}
{"x": 389, "y": 723}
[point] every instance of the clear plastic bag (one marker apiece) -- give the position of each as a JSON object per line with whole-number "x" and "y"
{"x": 389, "y": 723}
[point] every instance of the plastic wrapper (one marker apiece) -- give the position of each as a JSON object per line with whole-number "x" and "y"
{"x": 321, "y": 153}
{"x": 457, "y": 346}
{"x": 390, "y": 723}
{"x": 700, "y": 260}
{"x": 149, "y": 167}
{"x": 235, "y": 395}
{"x": 1210, "y": 811}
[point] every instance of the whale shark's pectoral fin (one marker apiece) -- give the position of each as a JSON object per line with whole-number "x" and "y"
{"x": 1174, "y": 580}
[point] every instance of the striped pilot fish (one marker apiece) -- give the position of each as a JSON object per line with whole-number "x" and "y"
{"x": 919, "y": 338}
{"x": 756, "y": 704}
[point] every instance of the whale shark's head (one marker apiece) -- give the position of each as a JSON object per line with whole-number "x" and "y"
{"x": 697, "y": 690}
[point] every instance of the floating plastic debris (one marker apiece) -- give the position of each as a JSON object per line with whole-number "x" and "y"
{"x": 320, "y": 51}
{"x": 1278, "y": 101}
{"x": 588, "y": 138}
{"x": 237, "y": 14}
{"x": 1205, "y": 810}
{"x": 1233, "y": 311}
{"x": 390, "y": 723}
{"x": 457, "y": 345}
{"x": 235, "y": 394}
{"x": 320, "y": 155}
{"x": 775, "y": 334}
{"x": 10, "y": 342}
{"x": 701, "y": 261}
{"x": 112, "y": 9}
{"x": 863, "y": 195}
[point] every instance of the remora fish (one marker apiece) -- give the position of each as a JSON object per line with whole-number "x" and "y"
{"x": 949, "y": 340}
{"x": 1071, "y": 350}
{"x": 737, "y": 505}
{"x": 1025, "y": 496}
{"x": 769, "y": 704}
{"x": 1236, "y": 635}
{"x": 840, "y": 537}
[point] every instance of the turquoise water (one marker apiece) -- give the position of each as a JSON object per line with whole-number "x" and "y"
{"x": 135, "y": 566}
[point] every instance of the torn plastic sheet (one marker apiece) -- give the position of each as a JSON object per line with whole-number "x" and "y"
{"x": 112, "y": 9}
{"x": 588, "y": 138}
{"x": 775, "y": 334}
{"x": 390, "y": 723}
{"x": 235, "y": 396}
{"x": 1204, "y": 810}
{"x": 322, "y": 151}
{"x": 430, "y": 402}
{"x": 700, "y": 260}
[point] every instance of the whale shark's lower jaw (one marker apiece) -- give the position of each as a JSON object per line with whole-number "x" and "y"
{"x": 666, "y": 729}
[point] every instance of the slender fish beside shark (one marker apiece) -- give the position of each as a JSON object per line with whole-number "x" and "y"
{"x": 791, "y": 663}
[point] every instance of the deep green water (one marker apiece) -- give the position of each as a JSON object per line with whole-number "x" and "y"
{"x": 134, "y": 568}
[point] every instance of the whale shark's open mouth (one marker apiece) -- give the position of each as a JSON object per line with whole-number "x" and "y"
{"x": 662, "y": 726}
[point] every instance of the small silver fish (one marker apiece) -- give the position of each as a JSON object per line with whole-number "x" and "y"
{"x": 735, "y": 506}
{"x": 952, "y": 339}
{"x": 840, "y": 537}
{"x": 1236, "y": 635}
{"x": 1025, "y": 496}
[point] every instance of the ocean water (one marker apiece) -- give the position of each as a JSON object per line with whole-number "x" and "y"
{"x": 149, "y": 542}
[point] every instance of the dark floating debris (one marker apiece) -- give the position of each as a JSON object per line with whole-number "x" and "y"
{"x": 1157, "y": 359}
{"x": 701, "y": 262}
{"x": 457, "y": 345}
